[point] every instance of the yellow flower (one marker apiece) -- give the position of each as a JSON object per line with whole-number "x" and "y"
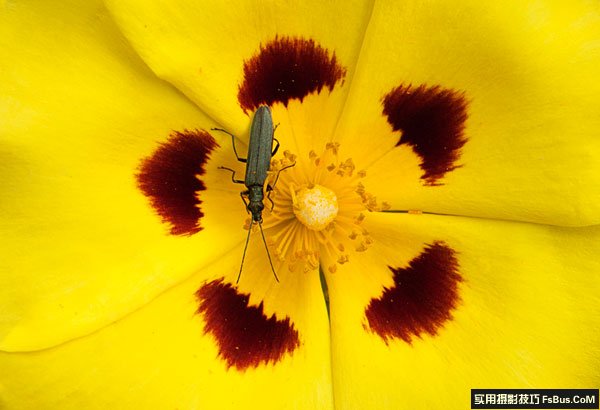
{"x": 446, "y": 184}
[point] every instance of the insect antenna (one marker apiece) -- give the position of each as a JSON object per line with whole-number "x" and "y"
{"x": 244, "y": 254}
{"x": 267, "y": 249}
{"x": 246, "y": 247}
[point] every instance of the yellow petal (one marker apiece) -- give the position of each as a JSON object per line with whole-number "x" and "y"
{"x": 501, "y": 304}
{"x": 201, "y": 48}
{"x": 162, "y": 357}
{"x": 527, "y": 72}
{"x": 81, "y": 245}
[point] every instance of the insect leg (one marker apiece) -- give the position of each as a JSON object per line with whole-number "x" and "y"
{"x": 279, "y": 172}
{"x": 243, "y": 195}
{"x": 271, "y": 187}
{"x": 276, "y": 146}
{"x": 232, "y": 143}
{"x": 235, "y": 181}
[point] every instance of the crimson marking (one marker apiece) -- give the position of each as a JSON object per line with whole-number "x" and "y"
{"x": 245, "y": 336}
{"x": 432, "y": 121}
{"x": 169, "y": 178}
{"x": 422, "y": 298}
{"x": 287, "y": 68}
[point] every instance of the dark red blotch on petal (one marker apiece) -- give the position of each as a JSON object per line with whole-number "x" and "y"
{"x": 287, "y": 68}
{"x": 432, "y": 121}
{"x": 169, "y": 179}
{"x": 244, "y": 334}
{"x": 422, "y": 298}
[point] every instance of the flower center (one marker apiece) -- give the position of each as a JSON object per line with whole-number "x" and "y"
{"x": 315, "y": 207}
{"x": 319, "y": 208}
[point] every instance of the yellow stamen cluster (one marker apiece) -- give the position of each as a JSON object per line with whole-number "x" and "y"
{"x": 319, "y": 207}
{"x": 315, "y": 206}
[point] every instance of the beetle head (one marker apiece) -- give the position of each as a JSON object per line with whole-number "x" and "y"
{"x": 256, "y": 208}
